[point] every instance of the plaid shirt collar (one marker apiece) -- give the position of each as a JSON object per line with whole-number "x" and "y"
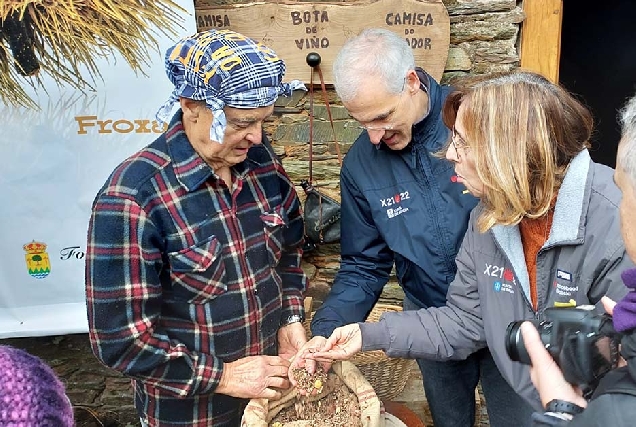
{"x": 189, "y": 167}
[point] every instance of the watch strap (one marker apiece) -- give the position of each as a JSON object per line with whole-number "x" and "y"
{"x": 562, "y": 406}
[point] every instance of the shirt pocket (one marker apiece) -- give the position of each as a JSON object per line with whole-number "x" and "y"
{"x": 274, "y": 224}
{"x": 198, "y": 272}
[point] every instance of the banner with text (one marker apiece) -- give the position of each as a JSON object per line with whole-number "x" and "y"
{"x": 52, "y": 163}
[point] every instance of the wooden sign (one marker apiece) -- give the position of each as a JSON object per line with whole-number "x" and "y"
{"x": 294, "y": 29}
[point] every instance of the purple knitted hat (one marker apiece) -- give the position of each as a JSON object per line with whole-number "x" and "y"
{"x": 31, "y": 395}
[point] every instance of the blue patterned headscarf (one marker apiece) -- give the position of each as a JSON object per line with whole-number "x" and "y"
{"x": 222, "y": 67}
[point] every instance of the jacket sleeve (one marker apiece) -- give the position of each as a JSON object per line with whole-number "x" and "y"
{"x": 454, "y": 331}
{"x": 548, "y": 419}
{"x": 608, "y": 277}
{"x": 123, "y": 297}
{"x": 365, "y": 265}
{"x": 293, "y": 278}
{"x": 612, "y": 409}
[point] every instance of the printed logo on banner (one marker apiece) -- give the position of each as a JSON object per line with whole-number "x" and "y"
{"x": 72, "y": 252}
{"x": 85, "y": 123}
{"x": 37, "y": 259}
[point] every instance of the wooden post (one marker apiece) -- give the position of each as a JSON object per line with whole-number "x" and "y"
{"x": 541, "y": 37}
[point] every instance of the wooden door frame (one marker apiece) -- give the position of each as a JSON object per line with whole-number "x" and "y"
{"x": 541, "y": 37}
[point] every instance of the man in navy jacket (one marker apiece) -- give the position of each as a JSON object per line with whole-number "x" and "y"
{"x": 402, "y": 207}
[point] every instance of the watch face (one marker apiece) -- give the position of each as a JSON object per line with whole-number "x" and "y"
{"x": 294, "y": 318}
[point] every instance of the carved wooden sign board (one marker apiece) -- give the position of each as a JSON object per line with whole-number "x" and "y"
{"x": 294, "y": 29}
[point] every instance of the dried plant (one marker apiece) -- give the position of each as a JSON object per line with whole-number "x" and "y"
{"x": 65, "y": 38}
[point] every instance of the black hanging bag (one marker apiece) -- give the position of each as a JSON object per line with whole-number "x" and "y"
{"x": 321, "y": 212}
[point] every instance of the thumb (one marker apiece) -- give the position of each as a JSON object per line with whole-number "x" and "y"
{"x": 536, "y": 350}
{"x": 608, "y": 304}
{"x": 331, "y": 341}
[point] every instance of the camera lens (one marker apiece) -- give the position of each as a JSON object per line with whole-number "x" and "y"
{"x": 514, "y": 344}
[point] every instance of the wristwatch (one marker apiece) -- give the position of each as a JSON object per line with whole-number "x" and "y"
{"x": 563, "y": 407}
{"x": 294, "y": 318}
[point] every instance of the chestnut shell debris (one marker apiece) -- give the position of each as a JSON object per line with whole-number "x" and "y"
{"x": 337, "y": 407}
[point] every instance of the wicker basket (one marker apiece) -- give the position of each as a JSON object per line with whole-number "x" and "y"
{"x": 387, "y": 375}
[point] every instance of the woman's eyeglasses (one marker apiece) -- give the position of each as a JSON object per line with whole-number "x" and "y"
{"x": 458, "y": 142}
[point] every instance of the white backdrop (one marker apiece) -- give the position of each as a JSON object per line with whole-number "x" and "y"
{"x": 52, "y": 163}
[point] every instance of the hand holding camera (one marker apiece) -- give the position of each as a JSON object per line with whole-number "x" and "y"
{"x": 565, "y": 335}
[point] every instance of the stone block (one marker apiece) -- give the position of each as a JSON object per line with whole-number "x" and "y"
{"x": 494, "y": 52}
{"x": 449, "y": 77}
{"x": 392, "y": 293}
{"x": 309, "y": 269}
{"x": 291, "y": 101}
{"x": 79, "y": 395}
{"x": 322, "y": 171}
{"x": 86, "y": 380}
{"x": 515, "y": 16}
{"x": 488, "y": 68}
{"x": 337, "y": 112}
{"x": 318, "y": 290}
{"x": 467, "y": 7}
{"x": 480, "y": 30}
{"x": 118, "y": 392}
{"x": 458, "y": 59}
{"x": 346, "y": 132}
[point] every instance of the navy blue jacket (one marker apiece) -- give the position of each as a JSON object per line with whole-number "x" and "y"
{"x": 398, "y": 207}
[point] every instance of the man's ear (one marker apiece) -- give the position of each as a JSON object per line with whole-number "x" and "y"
{"x": 412, "y": 81}
{"x": 191, "y": 108}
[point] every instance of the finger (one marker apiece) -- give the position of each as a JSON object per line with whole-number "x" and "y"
{"x": 298, "y": 362}
{"x": 271, "y": 394}
{"x": 278, "y": 382}
{"x": 281, "y": 371}
{"x": 331, "y": 342}
{"x": 330, "y": 356}
{"x": 310, "y": 366}
{"x": 326, "y": 365}
{"x": 278, "y": 361}
{"x": 536, "y": 350}
{"x": 316, "y": 357}
{"x": 301, "y": 391}
{"x": 609, "y": 305}
{"x": 292, "y": 380}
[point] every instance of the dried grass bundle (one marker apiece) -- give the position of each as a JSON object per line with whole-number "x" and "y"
{"x": 63, "y": 38}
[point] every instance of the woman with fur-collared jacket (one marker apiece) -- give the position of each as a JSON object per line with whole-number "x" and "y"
{"x": 546, "y": 231}
{"x": 614, "y": 400}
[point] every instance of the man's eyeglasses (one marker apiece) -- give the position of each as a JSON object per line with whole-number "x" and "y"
{"x": 458, "y": 142}
{"x": 389, "y": 126}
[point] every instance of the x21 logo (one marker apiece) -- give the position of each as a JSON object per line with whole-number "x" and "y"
{"x": 390, "y": 201}
{"x": 499, "y": 272}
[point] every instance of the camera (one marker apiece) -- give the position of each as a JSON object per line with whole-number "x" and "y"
{"x": 583, "y": 343}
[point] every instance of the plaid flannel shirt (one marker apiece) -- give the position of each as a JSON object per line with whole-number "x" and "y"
{"x": 184, "y": 274}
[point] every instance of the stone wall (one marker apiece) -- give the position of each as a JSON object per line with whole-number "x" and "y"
{"x": 484, "y": 38}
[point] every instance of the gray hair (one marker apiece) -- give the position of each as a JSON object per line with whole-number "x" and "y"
{"x": 627, "y": 151}
{"x": 373, "y": 52}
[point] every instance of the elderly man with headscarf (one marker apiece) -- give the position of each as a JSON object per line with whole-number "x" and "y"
{"x": 193, "y": 280}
